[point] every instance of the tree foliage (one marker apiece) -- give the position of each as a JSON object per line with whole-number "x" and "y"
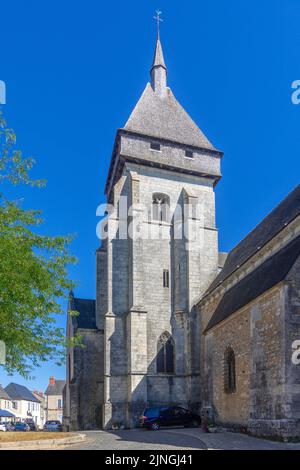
{"x": 33, "y": 272}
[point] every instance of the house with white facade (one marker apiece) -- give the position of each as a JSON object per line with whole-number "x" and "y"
{"x": 6, "y": 413}
{"x": 42, "y": 399}
{"x": 24, "y": 404}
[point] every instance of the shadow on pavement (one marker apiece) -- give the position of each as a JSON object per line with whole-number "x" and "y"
{"x": 161, "y": 437}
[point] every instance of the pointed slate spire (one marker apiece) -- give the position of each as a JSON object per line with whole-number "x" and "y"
{"x": 158, "y": 59}
{"x": 158, "y": 70}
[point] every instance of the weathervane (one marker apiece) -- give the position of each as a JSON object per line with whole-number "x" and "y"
{"x": 158, "y": 20}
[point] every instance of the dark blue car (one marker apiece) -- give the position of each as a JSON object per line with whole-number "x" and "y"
{"x": 21, "y": 427}
{"x": 154, "y": 418}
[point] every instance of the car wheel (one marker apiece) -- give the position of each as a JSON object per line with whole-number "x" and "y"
{"x": 155, "y": 426}
{"x": 195, "y": 423}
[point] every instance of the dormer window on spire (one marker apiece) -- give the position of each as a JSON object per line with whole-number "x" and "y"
{"x": 154, "y": 146}
{"x": 189, "y": 154}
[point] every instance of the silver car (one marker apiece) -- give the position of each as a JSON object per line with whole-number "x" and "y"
{"x": 53, "y": 425}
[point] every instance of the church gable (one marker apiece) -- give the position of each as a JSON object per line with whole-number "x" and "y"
{"x": 275, "y": 222}
{"x": 266, "y": 276}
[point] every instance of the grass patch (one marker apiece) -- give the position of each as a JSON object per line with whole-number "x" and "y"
{"x": 32, "y": 436}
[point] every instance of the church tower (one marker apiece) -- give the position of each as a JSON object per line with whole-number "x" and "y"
{"x": 159, "y": 256}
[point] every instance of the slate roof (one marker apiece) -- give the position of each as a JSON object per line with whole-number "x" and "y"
{"x": 19, "y": 392}
{"x": 163, "y": 117}
{"x": 3, "y": 394}
{"x": 56, "y": 389}
{"x": 270, "y": 273}
{"x": 87, "y": 313}
{"x": 281, "y": 216}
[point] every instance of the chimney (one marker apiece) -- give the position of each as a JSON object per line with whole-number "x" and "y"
{"x": 52, "y": 381}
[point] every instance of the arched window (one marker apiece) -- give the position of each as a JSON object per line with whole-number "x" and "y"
{"x": 161, "y": 204}
{"x": 229, "y": 371}
{"x": 165, "y": 354}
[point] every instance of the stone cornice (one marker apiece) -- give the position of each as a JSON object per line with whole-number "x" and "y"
{"x": 117, "y": 158}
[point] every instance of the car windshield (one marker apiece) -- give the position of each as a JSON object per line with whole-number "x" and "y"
{"x": 154, "y": 412}
{"x": 151, "y": 412}
{"x": 52, "y": 422}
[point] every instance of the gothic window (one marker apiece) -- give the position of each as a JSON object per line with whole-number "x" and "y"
{"x": 166, "y": 278}
{"x": 165, "y": 354}
{"x": 229, "y": 371}
{"x": 160, "y": 203}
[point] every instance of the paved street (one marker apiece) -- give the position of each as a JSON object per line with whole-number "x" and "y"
{"x": 175, "y": 439}
{"x": 138, "y": 439}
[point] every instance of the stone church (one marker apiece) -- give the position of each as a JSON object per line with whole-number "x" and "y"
{"x": 175, "y": 321}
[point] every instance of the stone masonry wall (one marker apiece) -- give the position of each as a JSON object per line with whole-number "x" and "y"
{"x": 255, "y": 333}
{"x": 134, "y": 277}
{"x": 292, "y": 335}
{"x": 86, "y": 387}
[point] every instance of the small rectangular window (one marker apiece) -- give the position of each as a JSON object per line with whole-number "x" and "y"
{"x": 189, "y": 154}
{"x": 166, "y": 278}
{"x": 154, "y": 146}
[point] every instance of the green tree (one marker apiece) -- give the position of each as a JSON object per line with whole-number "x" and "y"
{"x": 33, "y": 272}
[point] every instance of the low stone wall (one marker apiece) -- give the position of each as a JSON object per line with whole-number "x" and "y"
{"x": 281, "y": 429}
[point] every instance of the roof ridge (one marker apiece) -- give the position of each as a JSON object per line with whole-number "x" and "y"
{"x": 263, "y": 278}
{"x": 81, "y": 298}
{"x": 268, "y": 214}
{"x": 223, "y": 275}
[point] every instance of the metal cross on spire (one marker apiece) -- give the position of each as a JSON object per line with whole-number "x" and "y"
{"x": 158, "y": 20}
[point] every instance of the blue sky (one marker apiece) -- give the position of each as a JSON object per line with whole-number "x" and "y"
{"x": 74, "y": 70}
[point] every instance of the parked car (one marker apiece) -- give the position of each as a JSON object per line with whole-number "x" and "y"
{"x": 3, "y": 427}
{"x": 21, "y": 427}
{"x": 53, "y": 425}
{"x": 154, "y": 418}
{"x": 31, "y": 424}
{"x": 9, "y": 426}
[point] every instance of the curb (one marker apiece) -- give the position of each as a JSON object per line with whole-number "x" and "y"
{"x": 43, "y": 443}
{"x": 180, "y": 432}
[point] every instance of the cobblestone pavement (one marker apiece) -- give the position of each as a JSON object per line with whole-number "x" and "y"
{"x": 176, "y": 439}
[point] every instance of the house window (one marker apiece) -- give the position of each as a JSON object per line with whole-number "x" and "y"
{"x": 166, "y": 278}
{"x": 189, "y": 154}
{"x": 59, "y": 403}
{"x": 160, "y": 204}
{"x": 154, "y": 146}
{"x": 229, "y": 371}
{"x": 165, "y": 354}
